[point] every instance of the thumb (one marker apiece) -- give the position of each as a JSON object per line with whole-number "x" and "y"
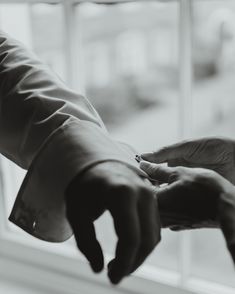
{"x": 156, "y": 171}
{"x": 172, "y": 152}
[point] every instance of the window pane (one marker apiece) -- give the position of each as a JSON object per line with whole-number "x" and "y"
{"x": 130, "y": 57}
{"x": 41, "y": 28}
{"x": 214, "y": 108}
{"x": 15, "y": 20}
{"x": 48, "y": 39}
{"x": 32, "y": 25}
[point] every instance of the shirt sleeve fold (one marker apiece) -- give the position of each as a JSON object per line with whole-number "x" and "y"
{"x": 52, "y": 132}
{"x": 72, "y": 149}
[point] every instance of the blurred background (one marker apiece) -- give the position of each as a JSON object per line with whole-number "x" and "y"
{"x": 126, "y": 59}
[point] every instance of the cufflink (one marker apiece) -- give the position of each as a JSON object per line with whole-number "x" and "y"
{"x": 138, "y": 158}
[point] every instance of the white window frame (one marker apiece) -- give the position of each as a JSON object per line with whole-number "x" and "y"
{"x": 60, "y": 270}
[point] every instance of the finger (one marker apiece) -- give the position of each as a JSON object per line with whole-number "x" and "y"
{"x": 178, "y": 162}
{"x": 160, "y": 173}
{"x": 150, "y": 228}
{"x": 127, "y": 227}
{"x": 167, "y": 153}
{"x": 84, "y": 233}
{"x": 185, "y": 163}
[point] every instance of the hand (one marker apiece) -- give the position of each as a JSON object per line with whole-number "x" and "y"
{"x": 132, "y": 204}
{"x": 217, "y": 154}
{"x": 202, "y": 197}
{"x": 190, "y": 198}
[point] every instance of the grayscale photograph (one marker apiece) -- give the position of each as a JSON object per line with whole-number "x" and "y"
{"x": 117, "y": 146}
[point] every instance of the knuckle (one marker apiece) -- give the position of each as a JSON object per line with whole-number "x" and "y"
{"x": 123, "y": 189}
{"x": 146, "y": 192}
{"x": 119, "y": 194}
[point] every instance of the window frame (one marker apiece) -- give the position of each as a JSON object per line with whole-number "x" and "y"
{"x": 62, "y": 270}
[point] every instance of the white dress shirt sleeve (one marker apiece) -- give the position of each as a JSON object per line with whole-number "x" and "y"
{"x": 52, "y": 132}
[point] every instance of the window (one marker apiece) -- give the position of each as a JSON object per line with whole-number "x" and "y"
{"x": 140, "y": 94}
{"x": 139, "y": 63}
{"x": 213, "y": 114}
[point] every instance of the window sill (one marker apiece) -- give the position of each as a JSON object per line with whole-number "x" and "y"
{"x": 8, "y": 287}
{"x": 52, "y": 272}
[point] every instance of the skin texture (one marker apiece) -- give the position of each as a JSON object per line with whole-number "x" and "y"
{"x": 190, "y": 197}
{"x": 217, "y": 154}
{"x": 201, "y": 193}
{"x": 131, "y": 202}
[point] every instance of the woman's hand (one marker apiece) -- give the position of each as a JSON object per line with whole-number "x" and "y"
{"x": 201, "y": 197}
{"x": 190, "y": 198}
{"x": 217, "y": 154}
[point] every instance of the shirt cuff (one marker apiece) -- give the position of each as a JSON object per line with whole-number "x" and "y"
{"x": 76, "y": 146}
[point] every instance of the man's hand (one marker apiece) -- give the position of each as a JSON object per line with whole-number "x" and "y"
{"x": 202, "y": 197}
{"x": 217, "y": 154}
{"x": 132, "y": 204}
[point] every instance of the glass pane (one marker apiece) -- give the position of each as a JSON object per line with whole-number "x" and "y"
{"x": 129, "y": 58}
{"x": 32, "y": 25}
{"x": 41, "y": 28}
{"x": 214, "y": 108}
{"x": 15, "y": 20}
{"x": 48, "y": 39}
{"x": 214, "y": 67}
